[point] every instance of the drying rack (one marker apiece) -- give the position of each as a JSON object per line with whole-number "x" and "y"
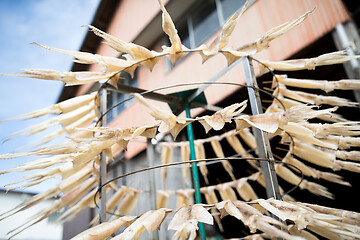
{"x": 262, "y": 140}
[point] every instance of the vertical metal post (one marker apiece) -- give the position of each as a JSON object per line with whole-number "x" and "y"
{"x": 344, "y": 42}
{"x": 103, "y": 172}
{"x": 150, "y": 153}
{"x": 346, "y": 36}
{"x": 195, "y": 171}
{"x": 262, "y": 140}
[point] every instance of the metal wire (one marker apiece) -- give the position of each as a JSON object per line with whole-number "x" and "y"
{"x": 270, "y": 70}
{"x": 105, "y": 85}
{"x": 190, "y": 84}
{"x": 192, "y": 161}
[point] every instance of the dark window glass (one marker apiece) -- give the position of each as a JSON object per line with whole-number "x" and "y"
{"x": 183, "y": 33}
{"x": 205, "y": 21}
{"x": 114, "y": 98}
{"x": 229, "y": 7}
{"x": 110, "y": 103}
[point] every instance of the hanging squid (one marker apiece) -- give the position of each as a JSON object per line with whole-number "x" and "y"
{"x": 200, "y": 154}
{"x": 184, "y": 197}
{"x": 220, "y": 154}
{"x": 211, "y": 198}
{"x": 149, "y": 221}
{"x": 308, "y": 63}
{"x": 185, "y": 156}
{"x": 217, "y": 120}
{"x": 326, "y": 86}
{"x": 59, "y": 108}
{"x": 253, "y": 218}
{"x": 104, "y": 230}
{"x": 166, "y": 156}
{"x": 221, "y": 41}
{"x": 163, "y": 198}
{"x": 186, "y": 220}
{"x": 264, "y": 41}
{"x": 175, "y": 51}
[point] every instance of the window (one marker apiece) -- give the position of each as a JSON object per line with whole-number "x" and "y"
{"x": 114, "y": 98}
{"x": 228, "y": 7}
{"x": 205, "y": 18}
{"x": 183, "y": 32}
{"x": 203, "y": 22}
{"x": 54, "y": 217}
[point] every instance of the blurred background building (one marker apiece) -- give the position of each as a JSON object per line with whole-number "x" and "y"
{"x": 49, "y": 229}
{"x": 331, "y": 27}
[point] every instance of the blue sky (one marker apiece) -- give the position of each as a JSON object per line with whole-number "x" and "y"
{"x": 55, "y": 23}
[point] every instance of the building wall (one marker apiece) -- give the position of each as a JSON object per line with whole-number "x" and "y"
{"x": 47, "y": 229}
{"x": 259, "y": 18}
{"x": 79, "y": 224}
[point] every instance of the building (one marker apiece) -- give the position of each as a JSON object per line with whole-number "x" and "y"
{"x": 49, "y": 229}
{"x": 139, "y": 21}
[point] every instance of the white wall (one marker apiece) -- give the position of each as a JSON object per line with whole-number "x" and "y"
{"x": 44, "y": 230}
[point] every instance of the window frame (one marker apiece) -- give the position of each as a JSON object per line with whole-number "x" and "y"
{"x": 188, "y": 21}
{"x": 117, "y": 97}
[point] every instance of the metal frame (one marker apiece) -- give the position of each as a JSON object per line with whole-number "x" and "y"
{"x": 122, "y": 88}
{"x": 103, "y": 171}
{"x": 264, "y": 150}
{"x": 262, "y": 140}
{"x": 346, "y": 36}
{"x": 195, "y": 170}
{"x": 150, "y": 153}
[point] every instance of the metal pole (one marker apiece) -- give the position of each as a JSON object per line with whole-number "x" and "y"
{"x": 195, "y": 171}
{"x": 103, "y": 172}
{"x": 347, "y": 37}
{"x": 262, "y": 140}
{"x": 150, "y": 153}
{"x": 347, "y": 44}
